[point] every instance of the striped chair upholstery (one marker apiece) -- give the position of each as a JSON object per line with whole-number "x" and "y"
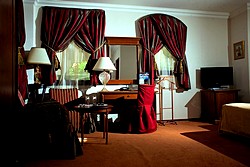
{"x": 64, "y": 96}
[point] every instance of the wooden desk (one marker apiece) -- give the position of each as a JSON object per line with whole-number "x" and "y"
{"x": 117, "y": 98}
{"x": 112, "y": 95}
{"x": 124, "y": 104}
{"x": 99, "y": 109}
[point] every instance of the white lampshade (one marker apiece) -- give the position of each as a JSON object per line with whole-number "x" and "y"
{"x": 104, "y": 64}
{"x": 38, "y": 56}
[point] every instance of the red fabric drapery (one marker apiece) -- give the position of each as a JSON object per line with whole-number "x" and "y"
{"x": 21, "y": 37}
{"x": 151, "y": 44}
{"x": 170, "y": 32}
{"x": 90, "y": 37}
{"x": 59, "y": 27}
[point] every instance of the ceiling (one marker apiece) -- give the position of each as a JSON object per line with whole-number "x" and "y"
{"x": 227, "y": 6}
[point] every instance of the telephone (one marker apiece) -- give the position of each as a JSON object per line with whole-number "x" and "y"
{"x": 124, "y": 89}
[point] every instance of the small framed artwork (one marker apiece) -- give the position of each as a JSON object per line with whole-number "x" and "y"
{"x": 239, "y": 50}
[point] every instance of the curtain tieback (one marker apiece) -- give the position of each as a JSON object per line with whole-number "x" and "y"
{"x": 49, "y": 47}
{"x": 181, "y": 66}
{"x": 99, "y": 47}
{"x": 55, "y": 61}
{"x": 20, "y": 57}
{"x": 149, "y": 51}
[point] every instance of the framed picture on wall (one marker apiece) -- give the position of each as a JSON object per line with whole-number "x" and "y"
{"x": 239, "y": 50}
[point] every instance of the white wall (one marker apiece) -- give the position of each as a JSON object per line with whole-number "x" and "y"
{"x": 29, "y": 25}
{"x": 207, "y": 42}
{"x": 238, "y": 26}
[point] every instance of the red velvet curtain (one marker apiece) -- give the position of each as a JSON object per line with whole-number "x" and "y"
{"x": 172, "y": 33}
{"x": 21, "y": 37}
{"x": 151, "y": 44}
{"x": 59, "y": 27}
{"x": 90, "y": 37}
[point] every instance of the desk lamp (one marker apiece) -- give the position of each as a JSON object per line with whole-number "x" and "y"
{"x": 37, "y": 56}
{"x": 104, "y": 64}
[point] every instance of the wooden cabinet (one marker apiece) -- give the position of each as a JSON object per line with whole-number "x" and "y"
{"x": 213, "y": 100}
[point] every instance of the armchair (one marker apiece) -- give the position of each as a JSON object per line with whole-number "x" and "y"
{"x": 63, "y": 96}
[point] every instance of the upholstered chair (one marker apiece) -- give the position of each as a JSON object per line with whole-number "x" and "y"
{"x": 63, "y": 96}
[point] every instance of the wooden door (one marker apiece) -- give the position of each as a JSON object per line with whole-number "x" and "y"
{"x": 8, "y": 58}
{"x": 8, "y": 82}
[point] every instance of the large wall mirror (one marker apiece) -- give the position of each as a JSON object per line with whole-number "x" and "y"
{"x": 124, "y": 52}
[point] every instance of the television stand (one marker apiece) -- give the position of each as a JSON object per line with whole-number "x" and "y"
{"x": 212, "y": 101}
{"x": 221, "y": 88}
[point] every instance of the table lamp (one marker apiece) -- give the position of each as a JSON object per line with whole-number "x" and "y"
{"x": 104, "y": 64}
{"x": 38, "y": 56}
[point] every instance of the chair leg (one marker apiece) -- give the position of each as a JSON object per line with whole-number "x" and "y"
{"x": 82, "y": 128}
{"x": 106, "y": 127}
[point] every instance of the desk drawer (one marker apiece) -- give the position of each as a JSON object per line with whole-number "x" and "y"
{"x": 117, "y": 96}
{"x": 130, "y": 96}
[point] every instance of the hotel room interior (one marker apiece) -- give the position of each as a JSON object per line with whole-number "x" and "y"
{"x": 193, "y": 117}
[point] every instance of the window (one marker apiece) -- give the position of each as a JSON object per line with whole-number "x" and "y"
{"x": 165, "y": 65}
{"x": 73, "y": 61}
{"x": 165, "y": 62}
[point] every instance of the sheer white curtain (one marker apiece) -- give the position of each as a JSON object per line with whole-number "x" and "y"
{"x": 73, "y": 61}
{"x": 165, "y": 62}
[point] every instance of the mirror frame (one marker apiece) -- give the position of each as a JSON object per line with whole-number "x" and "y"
{"x": 123, "y": 41}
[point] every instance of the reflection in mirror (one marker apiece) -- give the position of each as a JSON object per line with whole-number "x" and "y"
{"x": 125, "y": 60}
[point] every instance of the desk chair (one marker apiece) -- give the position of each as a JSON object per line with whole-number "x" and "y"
{"x": 146, "y": 117}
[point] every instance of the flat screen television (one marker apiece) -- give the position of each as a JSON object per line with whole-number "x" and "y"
{"x": 216, "y": 77}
